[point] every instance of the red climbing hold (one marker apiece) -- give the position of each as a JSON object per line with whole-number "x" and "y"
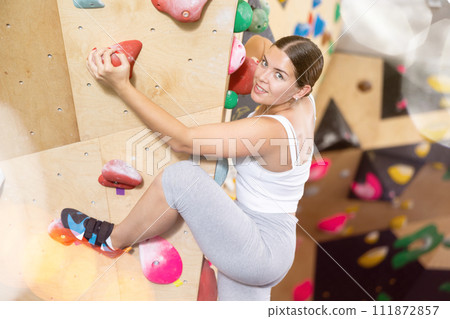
{"x": 105, "y": 182}
{"x": 120, "y": 174}
{"x": 241, "y": 81}
{"x": 181, "y": 10}
{"x": 130, "y": 48}
{"x": 207, "y": 288}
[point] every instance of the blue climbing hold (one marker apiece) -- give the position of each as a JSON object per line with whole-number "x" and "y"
{"x": 316, "y": 3}
{"x": 319, "y": 26}
{"x": 221, "y": 172}
{"x": 88, "y": 4}
{"x": 302, "y": 29}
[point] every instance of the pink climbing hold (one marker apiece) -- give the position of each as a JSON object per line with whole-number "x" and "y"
{"x": 319, "y": 169}
{"x": 303, "y": 291}
{"x": 370, "y": 190}
{"x": 401, "y": 105}
{"x": 119, "y": 172}
{"x": 334, "y": 223}
{"x": 160, "y": 261}
{"x": 401, "y": 69}
{"x": 237, "y": 56}
{"x": 181, "y": 10}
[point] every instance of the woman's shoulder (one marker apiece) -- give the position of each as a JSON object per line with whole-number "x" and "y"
{"x": 301, "y": 117}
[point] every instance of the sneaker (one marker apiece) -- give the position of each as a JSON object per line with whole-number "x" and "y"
{"x": 76, "y": 227}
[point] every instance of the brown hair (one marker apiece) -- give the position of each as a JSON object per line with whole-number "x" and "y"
{"x": 305, "y": 56}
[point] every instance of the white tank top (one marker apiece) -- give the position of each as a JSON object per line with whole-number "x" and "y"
{"x": 265, "y": 191}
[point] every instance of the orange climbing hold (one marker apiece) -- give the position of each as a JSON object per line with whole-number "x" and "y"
{"x": 63, "y": 235}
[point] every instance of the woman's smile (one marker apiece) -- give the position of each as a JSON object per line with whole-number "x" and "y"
{"x": 258, "y": 89}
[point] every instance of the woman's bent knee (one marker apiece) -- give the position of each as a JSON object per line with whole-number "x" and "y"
{"x": 178, "y": 178}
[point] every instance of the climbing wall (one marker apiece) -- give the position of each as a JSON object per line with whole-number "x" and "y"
{"x": 59, "y": 127}
{"x": 381, "y": 236}
{"x": 33, "y": 104}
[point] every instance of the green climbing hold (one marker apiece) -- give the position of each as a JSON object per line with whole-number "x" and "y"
{"x": 430, "y": 237}
{"x": 337, "y": 13}
{"x": 265, "y": 6}
{"x": 445, "y": 287}
{"x": 331, "y": 47}
{"x": 382, "y": 296}
{"x": 446, "y": 176}
{"x": 231, "y": 99}
{"x": 244, "y": 16}
{"x": 88, "y": 4}
{"x": 260, "y": 21}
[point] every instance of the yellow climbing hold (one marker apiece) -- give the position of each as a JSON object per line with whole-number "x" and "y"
{"x": 422, "y": 149}
{"x": 352, "y": 209}
{"x": 348, "y": 231}
{"x": 398, "y": 222}
{"x": 401, "y": 173}
{"x": 439, "y": 83}
{"x": 445, "y": 102}
{"x": 372, "y": 237}
{"x": 438, "y": 166}
{"x": 178, "y": 282}
{"x": 434, "y": 132}
{"x": 407, "y": 204}
{"x": 373, "y": 257}
{"x": 126, "y": 250}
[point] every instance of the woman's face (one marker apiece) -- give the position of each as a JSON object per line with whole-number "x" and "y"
{"x": 274, "y": 81}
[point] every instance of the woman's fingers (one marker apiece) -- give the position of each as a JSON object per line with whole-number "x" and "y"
{"x": 123, "y": 58}
{"x": 91, "y": 66}
{"x": 102, "y": 69}
{"x": 107, "y": 58}
{"x": 98, "y": 59}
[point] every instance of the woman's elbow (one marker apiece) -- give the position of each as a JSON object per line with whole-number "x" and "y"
{"x": 179, "y": 147}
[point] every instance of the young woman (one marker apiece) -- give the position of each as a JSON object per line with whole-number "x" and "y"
{"x": 251, "y": 240}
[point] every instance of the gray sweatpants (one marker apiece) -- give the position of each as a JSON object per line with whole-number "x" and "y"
{"x": 252, "y": 251}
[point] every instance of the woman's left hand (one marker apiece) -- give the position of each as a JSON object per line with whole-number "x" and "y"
{"x": 101, "y": 68}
